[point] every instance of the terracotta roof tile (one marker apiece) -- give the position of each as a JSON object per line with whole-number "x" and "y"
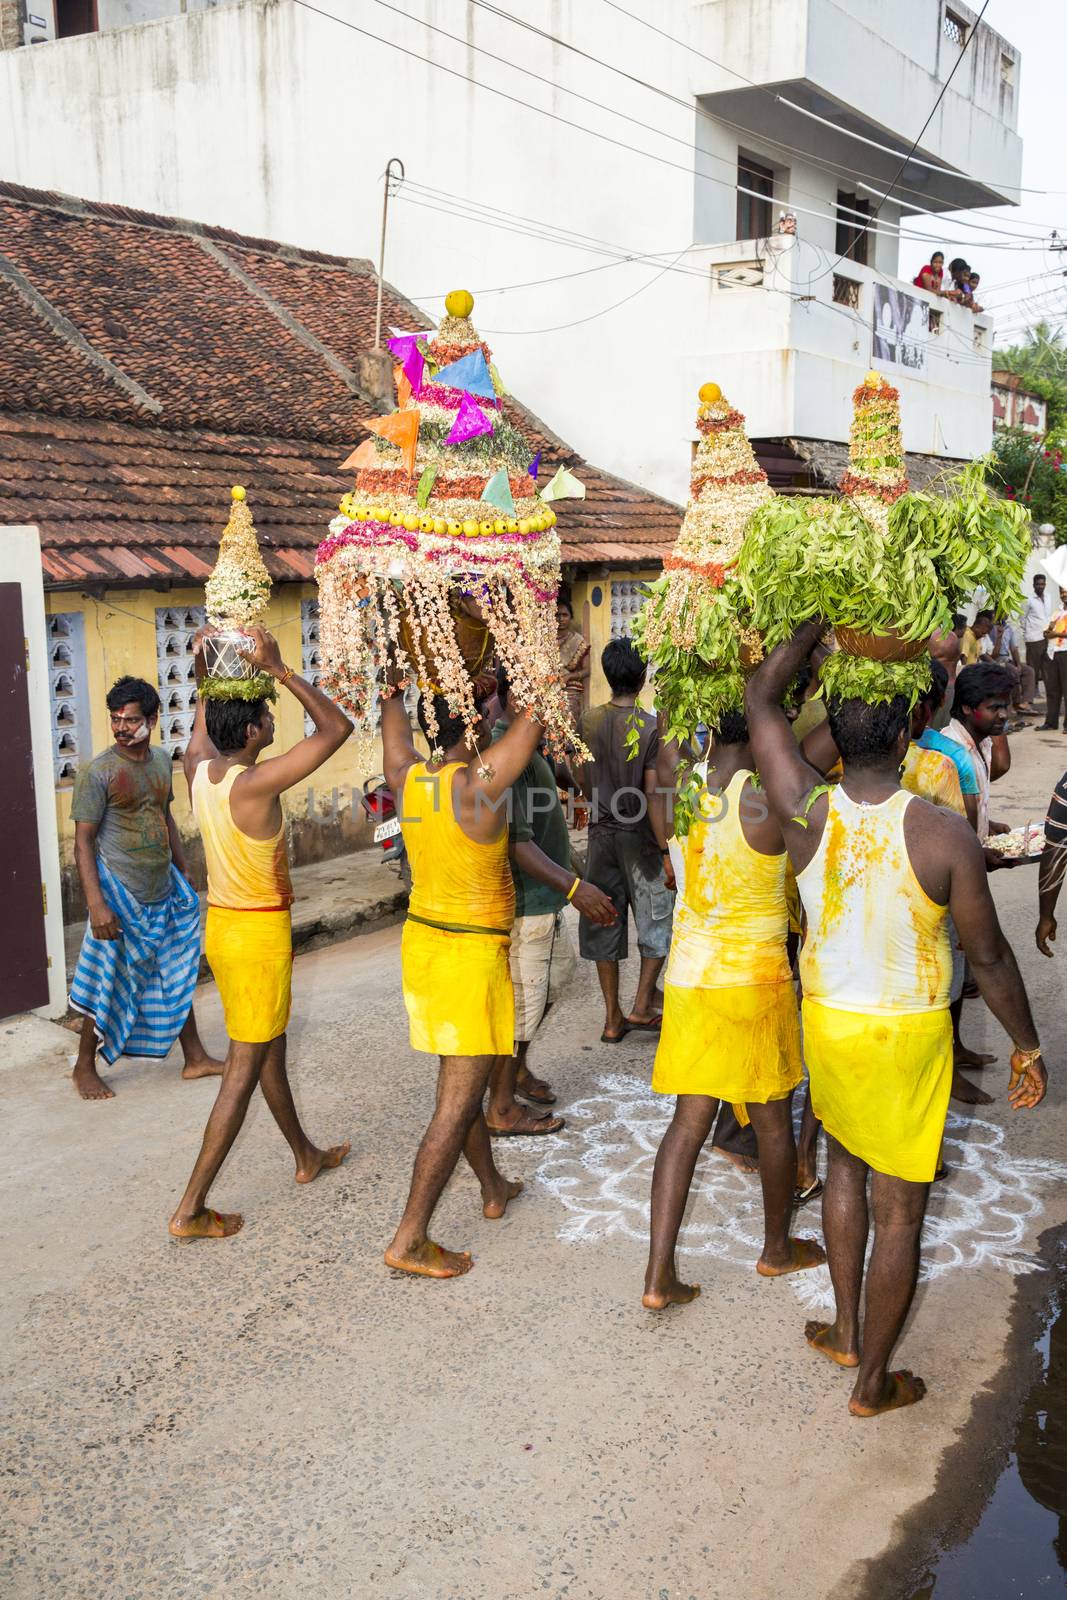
{"x": 250, "y": 348}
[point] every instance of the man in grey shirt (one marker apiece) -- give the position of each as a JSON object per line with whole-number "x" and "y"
{"x": 624, "y": 859}
{"x": 141, "y": 951}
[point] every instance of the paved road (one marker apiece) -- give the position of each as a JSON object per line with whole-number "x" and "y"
{"x": 279, "y": 1416}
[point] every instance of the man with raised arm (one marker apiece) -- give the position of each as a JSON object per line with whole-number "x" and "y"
{"x": 878, "y": 870}
{"x": 454, "y": 956}
{"x": 730, "y": 1028}
{"x": 248, "y": 941}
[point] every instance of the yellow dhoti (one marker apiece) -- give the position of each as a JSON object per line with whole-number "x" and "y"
{"x": 739, "y": 1044}
{"x": 880, "y": 1084}
{"x": 250, "y": 954}
{"x": 458, "y": 992}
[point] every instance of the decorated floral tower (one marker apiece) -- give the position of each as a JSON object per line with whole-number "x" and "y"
{"x": 877, "y": 475}
{"x": 236, "y": 594}
{"x": 695, "y": 629}
{"x": 445, "y": 556}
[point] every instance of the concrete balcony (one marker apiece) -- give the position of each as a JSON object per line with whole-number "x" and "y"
{"x": 789, "y": 340}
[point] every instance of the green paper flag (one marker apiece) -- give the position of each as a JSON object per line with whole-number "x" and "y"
{"x": 426, "y": 483}
{"x": 497, "y": 492}
{"x": 564, "y": 486}
{"x": 497, "y": 385}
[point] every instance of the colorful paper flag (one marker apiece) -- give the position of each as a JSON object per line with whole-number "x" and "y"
{"x": 535, "y": 466}
{"x": 497, "y": 492}
{"x": 470, "y": 421}
{"x": 497, "y": 385}
{"x": 401, "y": 429}
{"x": 406, "y": 349}
{"x": 469, "y": 373}
{"x": 564, "y": 486}
{"x": 426, "y": 483}
{"x": 364, "y": 455}
{"x": 403, "y": 388}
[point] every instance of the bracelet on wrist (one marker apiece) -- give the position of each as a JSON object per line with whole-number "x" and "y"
{"x": 1028, "y": 1057}
{"x": 290, "y": 672}
{"x": 572, "y": 891}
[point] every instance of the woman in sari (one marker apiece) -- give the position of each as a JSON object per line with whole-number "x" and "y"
{"x": 574, "y": 662}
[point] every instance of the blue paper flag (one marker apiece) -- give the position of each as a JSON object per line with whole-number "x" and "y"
{"x": 535, "y": 466}
{"x": 470, "y": 373}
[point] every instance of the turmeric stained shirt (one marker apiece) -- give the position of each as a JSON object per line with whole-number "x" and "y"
{"x": 876, "y": 941}
{"x": 933, "y": 776}
{"x": 730, "y": 1028}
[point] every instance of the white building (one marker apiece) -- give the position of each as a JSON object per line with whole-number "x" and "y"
{"x": 559, "y": 143}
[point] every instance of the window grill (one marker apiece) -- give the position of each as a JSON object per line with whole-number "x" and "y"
{"x": 846, "y": 292}
{"x": 176, "y": 628}
{"x": 954, "y": 28}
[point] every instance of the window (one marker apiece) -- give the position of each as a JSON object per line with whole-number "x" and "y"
{"x": 852, "y": 235}
{"x": 846, "y": 292}
{"x": 754, "y": 208}
{"x": 954, "y": 28}
{"x": 71, "y": 742}
{"x": 934, "y": 320}
{"x": 1007, "y": 71}
{"x": 310, "y": 659}
{"x": 74, "y": 17}
{"x": 627, "y": 599}
{"x": 176, "y": 671}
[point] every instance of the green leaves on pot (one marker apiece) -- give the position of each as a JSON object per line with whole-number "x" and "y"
{"x": 856, "y": 678}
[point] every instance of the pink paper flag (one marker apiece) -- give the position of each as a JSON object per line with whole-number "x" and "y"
{"x": 470, "y": 421}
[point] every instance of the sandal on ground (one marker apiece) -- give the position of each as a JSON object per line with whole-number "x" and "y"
{"x": 803, "y": 1197}
{"x": 529, "y": 1127}
{"x": 653, "y": 1025}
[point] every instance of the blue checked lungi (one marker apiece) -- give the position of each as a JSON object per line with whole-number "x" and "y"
{"x": 139, "y": 989}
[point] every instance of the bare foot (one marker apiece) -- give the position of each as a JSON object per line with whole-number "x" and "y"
{"x": 207, "y": 1225}
{"x": 974, "y": 1059}
{"x": 322, "y": 1161}
{"x": 803, "y": 1253}
{"x": 675, "y": 1294}
{"x": 742, "y": 1163}
{"x": 495, "y": 1204}
{"x": 429, "y": 1260}
{"x": 968, "y": 1093}
{"x": 901, "y": 1389}
{"x": 203, "y": 1067}
{"x": 89, "y": 1084}
{"x": 820, "y": 1336}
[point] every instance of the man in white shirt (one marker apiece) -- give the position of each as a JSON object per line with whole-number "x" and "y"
{"x": 1036, "y": 618}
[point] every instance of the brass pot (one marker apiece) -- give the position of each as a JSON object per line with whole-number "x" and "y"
{"x": 472, "y": 636}
{"x": 887, "y": 646}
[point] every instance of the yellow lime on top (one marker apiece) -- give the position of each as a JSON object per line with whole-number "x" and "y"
{"x": 460, "y": 303}
{"x": 709, "y": 391}
{"x": 237, "y": 492}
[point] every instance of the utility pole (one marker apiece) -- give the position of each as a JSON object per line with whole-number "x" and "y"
{"x": 389, "y": 175}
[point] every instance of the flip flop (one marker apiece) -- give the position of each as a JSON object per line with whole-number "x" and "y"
{"x": 614, "y": 1038}
{"x": 548, "y": 1099}
{"x": 653, "y": 1025}
{"x": 803, "y": 1197}
{"x": 552, "y": 1125}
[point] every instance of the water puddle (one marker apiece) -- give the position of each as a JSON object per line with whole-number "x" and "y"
{"x": 1014, "y": 1545}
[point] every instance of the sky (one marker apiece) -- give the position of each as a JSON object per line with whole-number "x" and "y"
{"x": 1024, "y": 286}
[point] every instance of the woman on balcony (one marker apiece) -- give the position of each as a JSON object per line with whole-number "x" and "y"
{"x": 931, "y": 276}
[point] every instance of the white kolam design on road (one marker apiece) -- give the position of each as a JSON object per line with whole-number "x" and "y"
{"x": 600, "y": 1171}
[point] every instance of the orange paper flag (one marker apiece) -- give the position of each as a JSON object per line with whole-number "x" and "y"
{"x": 401, "y": 429}
{"x": 362, "y": 456}
{"x": 403, "y": 387}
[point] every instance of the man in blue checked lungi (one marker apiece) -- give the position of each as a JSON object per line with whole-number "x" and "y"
{"x": 141, "y": 953}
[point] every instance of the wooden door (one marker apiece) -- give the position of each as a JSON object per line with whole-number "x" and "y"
{"x": 23, "y": 953}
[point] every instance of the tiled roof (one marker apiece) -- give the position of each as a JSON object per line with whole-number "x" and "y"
{"x": 148, "y": 363}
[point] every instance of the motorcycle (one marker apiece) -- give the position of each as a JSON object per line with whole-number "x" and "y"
{"x": 379, "y": 804}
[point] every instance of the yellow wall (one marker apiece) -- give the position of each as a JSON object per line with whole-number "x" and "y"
{"x": 120, "y": 637}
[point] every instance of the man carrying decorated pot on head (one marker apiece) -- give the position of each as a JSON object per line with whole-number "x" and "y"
{"x": 237, "y": 805}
